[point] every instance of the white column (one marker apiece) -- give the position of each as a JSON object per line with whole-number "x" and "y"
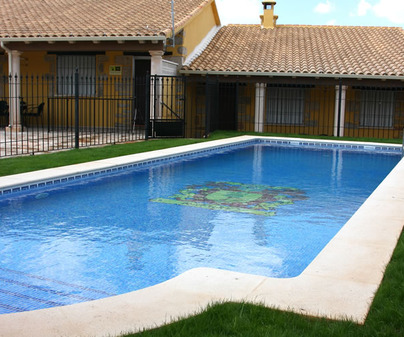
{"x": 342, "y": 117}
{"x": 259, "y": 107}
{"x": 156, "y": 68}
{"x": 14, "y": 90}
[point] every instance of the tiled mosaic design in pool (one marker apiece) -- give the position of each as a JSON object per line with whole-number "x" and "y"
{"x": 236, "y": 197}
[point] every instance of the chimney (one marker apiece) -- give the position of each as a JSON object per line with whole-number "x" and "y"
{"x": 268, "y": 20}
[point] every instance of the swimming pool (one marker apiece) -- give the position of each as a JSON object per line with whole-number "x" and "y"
{"x": 257, "y": 211}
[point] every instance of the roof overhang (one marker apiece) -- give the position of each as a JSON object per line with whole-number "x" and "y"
{"x": 292, "y": 75}
{"x": 88, "y": 43}
{"x": 51, "y": 39}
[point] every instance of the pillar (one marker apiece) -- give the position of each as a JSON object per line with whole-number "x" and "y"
{"x": 339, "y": 114}
{"x": 259, "y": 107}
{"x": 14, "y": 90}
{"x": 156, "y": 68}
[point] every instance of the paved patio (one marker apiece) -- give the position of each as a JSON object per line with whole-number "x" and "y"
{"x": 32, "y": 141}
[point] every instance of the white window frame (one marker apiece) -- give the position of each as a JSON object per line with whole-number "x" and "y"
{"x": 285, "y": 105}
{"x": 66, "y": 68}
{"x": 377, "y": 108}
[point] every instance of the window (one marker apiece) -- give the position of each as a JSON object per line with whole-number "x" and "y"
{"x": 66, "y": 68}
{"x": 377, "y": 108}
{"x": 285, "y": 105}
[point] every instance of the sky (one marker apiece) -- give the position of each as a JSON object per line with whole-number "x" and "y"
{"x": 388, "y": 13}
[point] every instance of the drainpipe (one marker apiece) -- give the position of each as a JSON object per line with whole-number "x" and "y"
{"x": 172, "y": 22}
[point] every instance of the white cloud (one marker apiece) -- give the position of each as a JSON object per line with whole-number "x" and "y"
{"x": 363, "y": 8}
{"x": 331, "y": 22}
{"x": 239, "y": 11}
{"x": 324, "y": 7}
{"x": 392, "y": 10}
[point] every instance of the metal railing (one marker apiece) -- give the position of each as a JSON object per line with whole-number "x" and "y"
{"x": 51, "y": 113}
{"x": 45, "y": 113}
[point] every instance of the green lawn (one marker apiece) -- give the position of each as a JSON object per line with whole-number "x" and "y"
{"x": 14, "y": 165}
{"x": 386, "y": 316}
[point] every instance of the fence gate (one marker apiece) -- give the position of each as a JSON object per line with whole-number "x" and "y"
{"x": 167, "y": 117}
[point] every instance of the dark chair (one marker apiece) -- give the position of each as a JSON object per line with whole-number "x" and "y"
{"x": 23, "y": 107}
{"x": 3, "y": 113}
{"x": 32, "y": 112}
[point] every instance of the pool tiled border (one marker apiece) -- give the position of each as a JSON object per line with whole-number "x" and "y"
{"x": 340, "y": 283}
{"x": 7, "y": 190}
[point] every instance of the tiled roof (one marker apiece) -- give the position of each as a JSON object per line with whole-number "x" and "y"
{"x": 93, "y": 18}
{"x": 329, "y": 50}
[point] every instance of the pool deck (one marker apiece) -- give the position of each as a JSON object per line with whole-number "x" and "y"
{"x": 340, "y": 283}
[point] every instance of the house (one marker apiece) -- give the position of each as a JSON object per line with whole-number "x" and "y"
{"x": 289, "y": 79}
{"x": 102, "y": 38}
{"x": 318, "y": 80}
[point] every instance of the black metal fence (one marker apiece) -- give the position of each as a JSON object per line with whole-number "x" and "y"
{"x": 45, "y": 113}
{"x": 295, "y": 107}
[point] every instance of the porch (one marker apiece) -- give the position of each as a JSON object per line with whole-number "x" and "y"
{"x": 86, "y": 112}
{"x": 51, "y": 114}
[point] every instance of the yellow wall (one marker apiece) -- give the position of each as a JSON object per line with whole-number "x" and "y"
{"x": 198, "y": 28}
{"x": 246, "y": 107}
{"x": 3, "y": 64}
{"x": 3, "y": 75}
{"x": 352, "y": 117}
{"x": 195, "y": 106}
{"x": 195, "y": 31}
{"x": 37, "y": 86}
{"x": 318, "y": 117}
{"x": 318, "y": 111}
{"x": 40, "y": 63}
{"x": 34, "y": 63}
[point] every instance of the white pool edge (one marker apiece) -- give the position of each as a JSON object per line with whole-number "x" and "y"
{"x": 340, "y": 283}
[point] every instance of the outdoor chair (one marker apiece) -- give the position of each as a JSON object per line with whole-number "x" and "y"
{"x": 29, "y": 112}
{"x": 3, "y": 113}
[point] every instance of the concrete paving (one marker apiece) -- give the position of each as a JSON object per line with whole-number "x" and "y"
{"x": 34, "y": 141}
{"x": 340, "y": 283}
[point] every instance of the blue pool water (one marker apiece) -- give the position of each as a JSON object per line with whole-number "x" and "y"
{"x": 259, "y": 209}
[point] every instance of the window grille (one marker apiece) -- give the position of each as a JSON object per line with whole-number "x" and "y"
{"x": 66, "y": 68}
{"x": 285, "y": 105}
{"x": 377, "y": 108}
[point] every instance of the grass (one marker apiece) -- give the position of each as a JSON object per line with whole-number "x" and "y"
{"x": 386, "y": 316}
{"x": 23, "y": 164}
{"x": 38, "y": 162}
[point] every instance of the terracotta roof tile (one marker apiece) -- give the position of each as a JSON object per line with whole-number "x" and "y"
{"x": 93, "y": 18}
{"x": 329, "y": 50}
